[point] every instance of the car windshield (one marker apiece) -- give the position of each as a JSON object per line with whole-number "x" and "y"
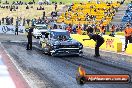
{"x": 41, "y": 27}
{"x": 61, "y": 35}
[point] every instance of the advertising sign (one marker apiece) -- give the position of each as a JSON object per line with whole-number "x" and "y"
{"x": 10, "y": 29}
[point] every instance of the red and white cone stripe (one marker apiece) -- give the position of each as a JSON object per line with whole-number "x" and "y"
{"x": 10, "y": 76}
{"x": 5, "y": 78}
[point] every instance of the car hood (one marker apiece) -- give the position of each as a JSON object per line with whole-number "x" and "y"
{"x": 39, "y": 31}
{"x": 43, "y": 30}
{"x": 67, "y": 42}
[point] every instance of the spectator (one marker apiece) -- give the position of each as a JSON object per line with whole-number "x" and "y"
{"x": 69, "y": 29}
{"x": 69, "y": 8}
{"x": 29, "y": 36}
{"x": 37, "y": 8}
{"x": 24, "y": 21}
{"x": 17, "y": 21}
{"x": 113, "y": 31}
{"x": 90, "y": 29}
{"x": 33, "y": 21}
{"x": 0, "y": 22}
{"x": 11, "y": 8}
{"x": 55, "y": 6}
{"x": 55, "y": 26}
{"x": 89, "y": 1}
{"x": 16, "y": 7}
{"x": 7, "y": 20}
{"x": 128, "y": 34}
{"x": 27, "y": 7}
{"x": 74, "y": 29}
{"x": 102, "y": 29}
{"x": 63, "y": 25}
{"x": 42, "y": 8}
{"x": 99, "y": 41}
{"x": 39, "y": 21}
{"x": 12, "y": 20}
{"x": 122, "y": 1}
{"x": 79, "y": 30}
{"x": 16, "y": 30}
{"x": 3, "y": 20}
{"x": 87, "y": 17}
{"x": 34, "y": 1}
{"x": 53, "y": 14}
{"x": 28, "y": 21}
{"x": 43, "y": 15}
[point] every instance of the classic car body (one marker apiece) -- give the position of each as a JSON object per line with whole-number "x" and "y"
{"x": 39, "y": 28}
{"x": 58, "y": 43}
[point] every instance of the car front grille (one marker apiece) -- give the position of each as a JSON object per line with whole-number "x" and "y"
{"x": 68, "y": 51}
{"x": 68, "y": 46}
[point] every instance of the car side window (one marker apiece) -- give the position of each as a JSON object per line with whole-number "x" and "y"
{"x": 46, "y": 35}
{"x": 43, "y": 34}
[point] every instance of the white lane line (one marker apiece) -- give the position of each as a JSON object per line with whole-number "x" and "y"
{"x": 5, "y": 78}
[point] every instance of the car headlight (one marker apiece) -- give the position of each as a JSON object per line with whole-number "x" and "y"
{"x": 54, "y": 46}
{"x": 80, "y": 45}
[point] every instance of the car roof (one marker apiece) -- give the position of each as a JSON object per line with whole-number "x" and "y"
{"x": 58, "y": 30}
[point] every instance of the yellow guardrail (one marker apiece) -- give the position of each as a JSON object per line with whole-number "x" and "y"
{"x": 111, "y": 43}
{"x": 128, "y": 49}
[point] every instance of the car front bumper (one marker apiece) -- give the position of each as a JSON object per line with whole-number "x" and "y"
{"x": 66, "y": 52}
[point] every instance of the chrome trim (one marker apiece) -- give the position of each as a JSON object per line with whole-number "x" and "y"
{"x": 53, "y": 51}
{"x": 69, "y": 48}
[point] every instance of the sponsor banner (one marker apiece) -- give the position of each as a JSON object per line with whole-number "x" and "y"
{"x": 104, "y": 78}
{"x": 110, "y": 43}
{"x": 10, "y": 29}
{"x": 82, "y": 77}
{"x": 110, "y": 78}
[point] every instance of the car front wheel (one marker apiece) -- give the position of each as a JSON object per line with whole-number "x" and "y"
{"x": 81, "y": 80}
{"x": 47, "y": 51}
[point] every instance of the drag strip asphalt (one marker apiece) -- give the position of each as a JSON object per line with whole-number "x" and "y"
{"x": 43, "y": 71}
